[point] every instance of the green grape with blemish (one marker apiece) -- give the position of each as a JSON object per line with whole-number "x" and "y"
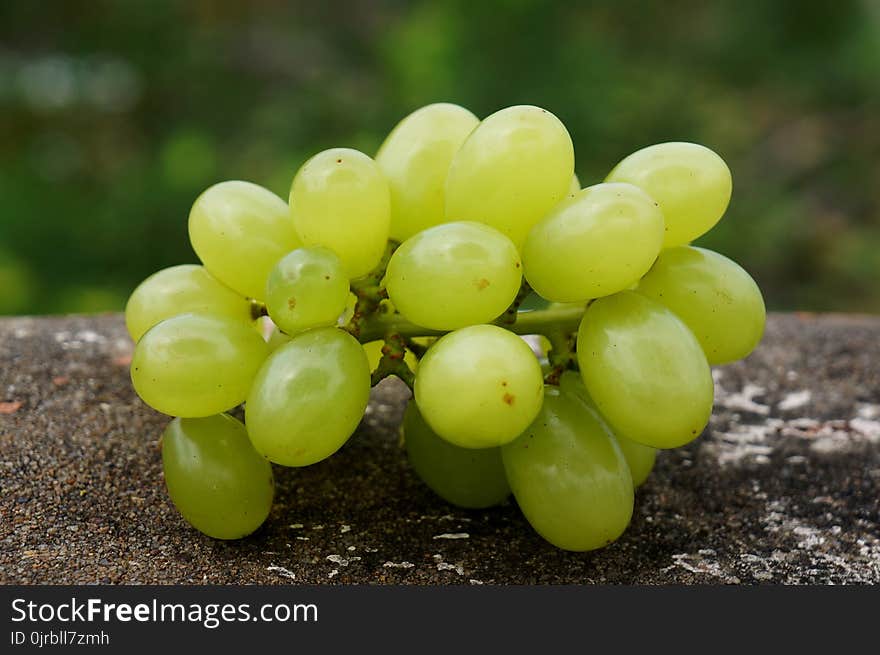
{"x": 307, "y": 288}
{"x": 479, "y": 387}
{"x": 340, "y": 200}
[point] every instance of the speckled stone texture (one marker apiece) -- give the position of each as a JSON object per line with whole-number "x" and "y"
{"x": 782, "y": 487}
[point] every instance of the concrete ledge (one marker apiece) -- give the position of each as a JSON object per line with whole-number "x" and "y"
{"x": 784, "y": 486}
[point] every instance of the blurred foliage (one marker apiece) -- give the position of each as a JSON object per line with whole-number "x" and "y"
{"x": 115, "y": 115}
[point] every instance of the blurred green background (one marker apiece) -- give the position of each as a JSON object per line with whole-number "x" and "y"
{"x": 115, "y": 115}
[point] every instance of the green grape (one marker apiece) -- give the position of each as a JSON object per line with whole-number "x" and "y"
{"x": 215, "y": 478}
{"x": 691, "y": 183}
{"x": 178, "y": 290}
{"x": 569, "y": 476}
{"x": 479, "y": 387}
{"x": 195, "y": 365}
{"x": 512, "y": 169}
{"x": 713, "y": 295}
{"x": 339, "y": 199}
{"x": 645, "y": 370}
{"x": 453, "y": 275}
{"x": 308, "y": 397}
{"x": 598, "y": 242}
{"x": 575, "y": 185}
{"x": 415, "y": 159}
{"x": 239, "y": 230}
{"x": 307, "y": 288}
{"x": 467, "y": 477}
{"x": 639, "y": 457}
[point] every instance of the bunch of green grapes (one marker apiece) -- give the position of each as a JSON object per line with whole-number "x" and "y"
{"x": 414, "y": 264}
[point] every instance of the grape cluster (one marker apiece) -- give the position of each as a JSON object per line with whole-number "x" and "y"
{"x": 416, "y": 263}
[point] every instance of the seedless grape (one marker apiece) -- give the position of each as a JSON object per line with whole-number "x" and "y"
{"x": 215, "y": 478}
{"x": 512, "y": 169}
{"x": 453, "y": 275}
{"x": 415, "y": 159}
{"x": 639, "y": 458}
{"x": 308, "y": 397}
{"x": 645, "y": 370}
{"x": 713, "y": 295}
{"x": 339, "y": 199}
{"x": 195, "y": 365}
{"x": 307, "y": 288}
{"x": 691, "y": 183}
{"x": 595, "y": 243}
{"x": 569, "y": 476}
{"x": 239, "y": 230}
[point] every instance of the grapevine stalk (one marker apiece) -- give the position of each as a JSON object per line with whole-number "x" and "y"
{"x": 541, "y": 321}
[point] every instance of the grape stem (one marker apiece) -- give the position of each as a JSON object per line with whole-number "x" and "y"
{"x": 370, "y": 292}
{"x": 509, "y": 317}
{"x": 564, "y": 320}
{"x": 393, "y": 363}
{"x": 417, "y": 349}
{"x": 561, "y": 355}
{"x": 372, "y": 319}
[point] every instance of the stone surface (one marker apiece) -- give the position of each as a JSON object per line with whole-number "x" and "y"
{"x": 782, "y": 488}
